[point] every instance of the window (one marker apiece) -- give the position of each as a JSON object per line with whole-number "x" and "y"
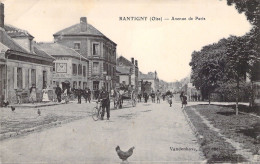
{"x": 95, "y": 49}
{"x": 77, "y": 47}
{"x": 84, "y": 71}
{"x": 79, "y": 84}
{"x": 74, "y": 69}
{"x": 74, "y": 84}
{"x": 80, "y": 69}
{"x": 33, "y": 76}
{"x": 19, "y": 78}
{"x": 95, "y": 67}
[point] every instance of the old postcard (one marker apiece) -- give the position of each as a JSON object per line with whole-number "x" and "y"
{"x": 121, "y": 81}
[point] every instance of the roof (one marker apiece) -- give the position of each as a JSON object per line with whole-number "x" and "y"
{"x": 56, "y": 49}
{"x": 3, "y": 47}
{"x": 76, "y": 30}
{"x": 16, "y": 32}
{"x": 124, "y": 60}
{"x": 8, "y": 42}
{"x": 123, "y": 70}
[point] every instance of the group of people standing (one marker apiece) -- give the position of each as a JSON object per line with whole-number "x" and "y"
{"x": 66, "y": 92}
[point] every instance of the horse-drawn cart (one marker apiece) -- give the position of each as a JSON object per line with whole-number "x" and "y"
{"x": 124, "y": 96}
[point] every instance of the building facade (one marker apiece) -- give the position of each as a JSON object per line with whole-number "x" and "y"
{"x": 96, "y": 47}
{"x": 70, "y": 69}
{"x": 128, "y": 70}
{"x": 21, "y": 64}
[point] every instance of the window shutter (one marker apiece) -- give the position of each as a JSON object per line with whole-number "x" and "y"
{"x": 29, "y": 78}
{"x": 36, "y": 84}
{"x": 23, "y": 78}
{"x": 15, "y": 77}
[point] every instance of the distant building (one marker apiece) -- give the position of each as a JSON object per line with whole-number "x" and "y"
{"x": 128, "y": 72}
{"x": 70, "y": 69}
{"x": 96, "y": 47}
{"x": 148, "y": 82}
{"x": 21, "y": 64}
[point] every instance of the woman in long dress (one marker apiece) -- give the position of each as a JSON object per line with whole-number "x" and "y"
{"x": 33, "y": 94}
{"x": 45, "y": 97}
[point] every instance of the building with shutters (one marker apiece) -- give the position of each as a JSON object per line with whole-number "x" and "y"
{"x": 21, "y": 64}
{"x": 70, "y": 69}
{"x": 96, "y": 47}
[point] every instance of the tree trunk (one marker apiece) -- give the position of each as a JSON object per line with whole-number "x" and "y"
{"x": 209, "y": 98}
{"x": 237, "y": 96}
{"x": 252, "y": 97}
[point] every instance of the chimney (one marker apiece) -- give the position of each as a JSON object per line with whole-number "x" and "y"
{"x": 136, "y": 63}
{"x": 2, "y": 15}
{"x": 83, "y": 24}
{"x": 133, "y": 60}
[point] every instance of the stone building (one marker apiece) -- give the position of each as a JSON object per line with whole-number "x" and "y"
{"x": 21, "y": 64}
{"x": 70, "y": 69}
{"x": 128, "y": 70}
{"x": 96, "y": 47}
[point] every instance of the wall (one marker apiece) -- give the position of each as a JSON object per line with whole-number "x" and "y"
{"x": 124, "y": 78}
{"x": 26, "y": 66}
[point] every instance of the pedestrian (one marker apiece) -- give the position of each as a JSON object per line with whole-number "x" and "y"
{"x": 163, "y": 96}
{"x": 153, "y": 96}
{"x": 169, "y": 97}
{"x": 33, "y": 93}
{"x": 65, "y": 95}
{"x": 58, "y": 92}
{"x": 45, "y": 97}
{"x": 184, "y": 101}
{"x": 139, "y": 97}
{"x": 145, "y": 97}
{"x": 105, "y": 103}
{"x": 198, "y": 97}
{"x": 79, "y": 94}
{"x": 88, "y": 95}
{"x": 158, "y": 94}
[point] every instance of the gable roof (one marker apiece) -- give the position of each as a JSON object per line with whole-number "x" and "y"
{"x": 56, "y": 49}
{"x": 16, "y": 32}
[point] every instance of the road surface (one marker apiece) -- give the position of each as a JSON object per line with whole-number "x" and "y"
{"x": 156, "y": 131}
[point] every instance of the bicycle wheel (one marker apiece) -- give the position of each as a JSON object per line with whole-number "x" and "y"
{"x": 95, "y": 113}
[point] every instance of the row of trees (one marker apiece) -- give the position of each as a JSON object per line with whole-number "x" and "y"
{"x": 223, "y": 66}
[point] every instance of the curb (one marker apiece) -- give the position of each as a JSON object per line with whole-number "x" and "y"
{"x": 35, "y": 106}
{"x": 37, "y": 128}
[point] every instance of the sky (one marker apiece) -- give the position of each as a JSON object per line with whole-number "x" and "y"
{"x": 163, "y": 46}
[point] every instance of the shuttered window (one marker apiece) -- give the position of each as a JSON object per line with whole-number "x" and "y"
{"x": 19, "y": 78}
{"x": 33, "y": 77}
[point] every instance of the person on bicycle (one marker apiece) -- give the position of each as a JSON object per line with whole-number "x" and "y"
{"x": 105, "y": 102}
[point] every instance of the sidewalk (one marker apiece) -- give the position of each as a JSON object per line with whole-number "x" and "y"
{"x": 26, "y": 119}
{"x": 36, "y": 105}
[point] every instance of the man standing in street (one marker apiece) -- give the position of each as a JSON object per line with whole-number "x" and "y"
{"x": 105, "y": 103}
{"x": 58, "y": 92}
{"x": 158, "y": 94}
{"x": 153, "y": 96}
{"x": 79, "y": 93}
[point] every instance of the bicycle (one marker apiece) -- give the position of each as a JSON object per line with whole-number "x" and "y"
{"x": 96, "y": 111}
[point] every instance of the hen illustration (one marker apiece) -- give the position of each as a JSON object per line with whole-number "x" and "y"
{"x": 124, "y": 155}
